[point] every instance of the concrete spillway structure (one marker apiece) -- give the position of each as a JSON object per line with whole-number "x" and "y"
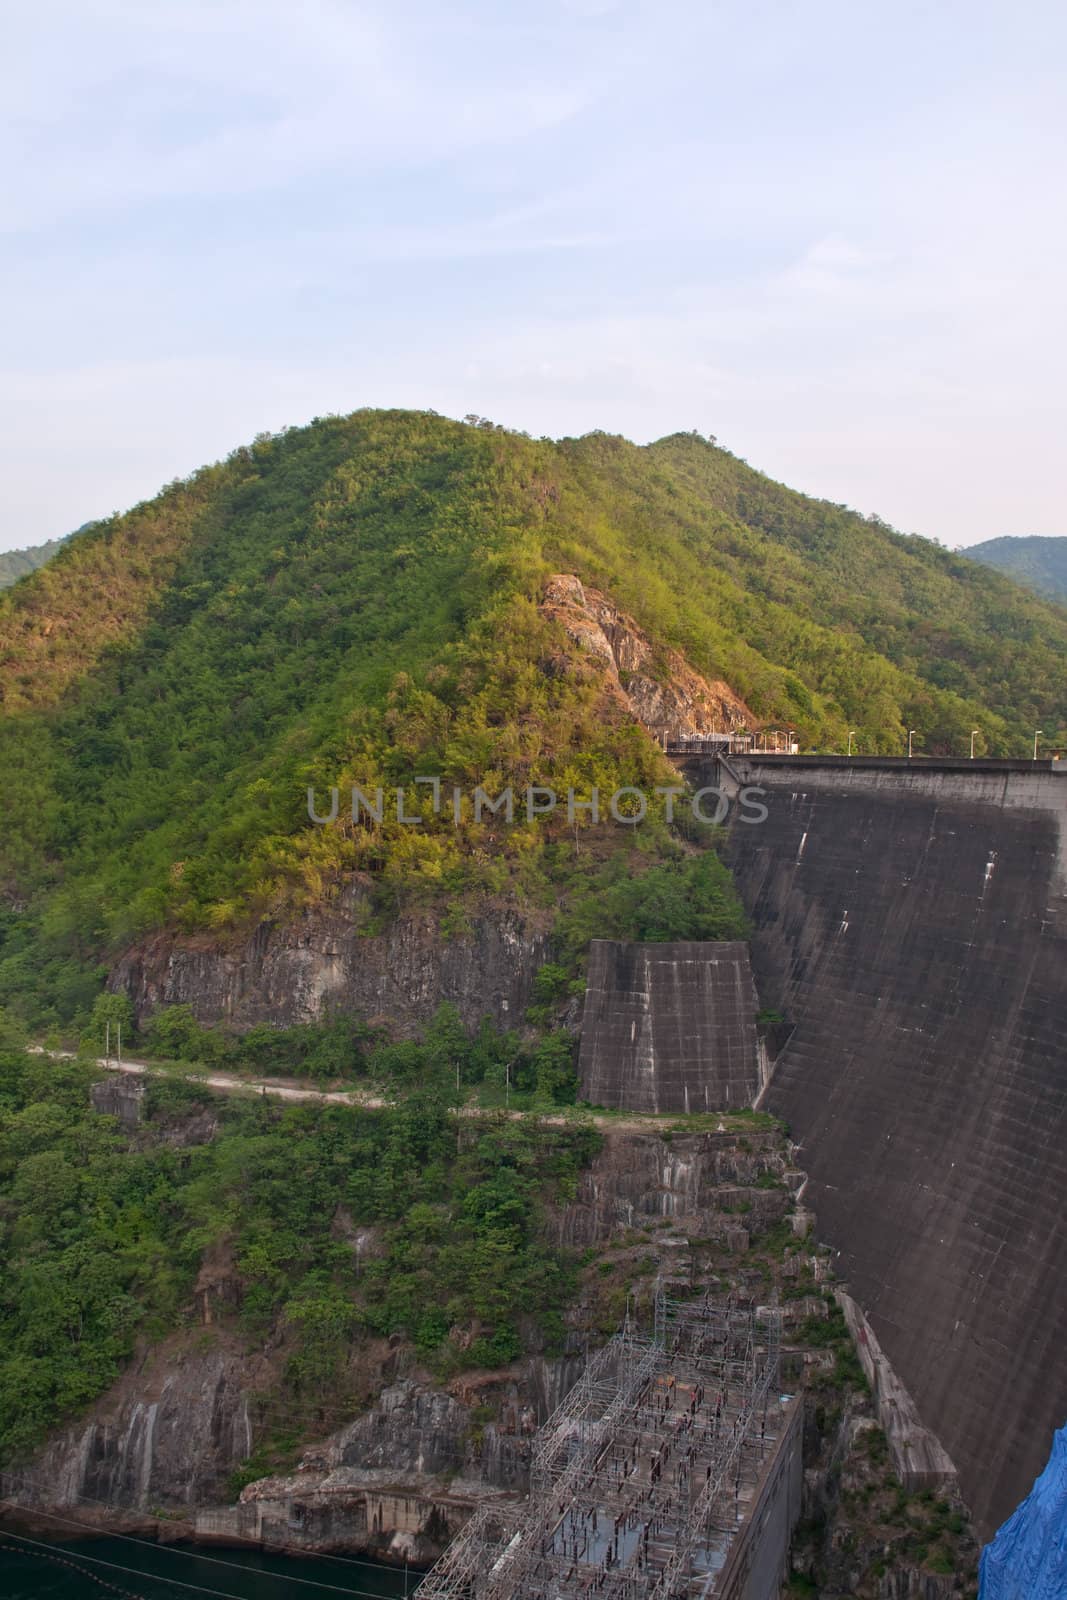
{"x": 911, "y": 922}
{"x": 669, "y": 1027}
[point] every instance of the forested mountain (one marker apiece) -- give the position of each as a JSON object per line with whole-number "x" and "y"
{"x": 359, "y": 601}
{"x": 15, "y": 564}
{"x": 1040, "y": 564}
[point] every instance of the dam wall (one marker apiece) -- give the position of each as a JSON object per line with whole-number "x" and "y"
{"x": 911, "y": 924}
{"x": 669, "y": 1027}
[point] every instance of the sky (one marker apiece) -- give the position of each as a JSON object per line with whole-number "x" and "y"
{"x": 832, "y": 235}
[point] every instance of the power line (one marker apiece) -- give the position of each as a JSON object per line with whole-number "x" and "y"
{"x": 132, "y": 1572}
{"x": 63, "y": 1561}
{"x": 194, "y": 1555}
{"x": 107, "y": 1505}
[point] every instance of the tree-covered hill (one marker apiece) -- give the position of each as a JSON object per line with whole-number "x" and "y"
{"x": 15, "y": 564}
{"x": 358, "y": 601}
{"x": 1040, "y": 564}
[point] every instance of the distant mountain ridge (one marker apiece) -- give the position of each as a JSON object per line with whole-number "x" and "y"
{"x": 14, "y": 564}
{"x": 1038, "y": 563}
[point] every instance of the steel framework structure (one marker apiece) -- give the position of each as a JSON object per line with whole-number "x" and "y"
{"x": 641, "y": 1477}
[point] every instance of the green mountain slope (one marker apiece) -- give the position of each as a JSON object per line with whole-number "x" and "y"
{"x": 15, "y": 564}
{"x": 1040, "y": 564}
{"x": 357, "y": 601}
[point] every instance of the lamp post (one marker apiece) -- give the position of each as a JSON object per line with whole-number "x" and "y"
{"x": 851, "y": 736}
{"x": 974, "y": 735}
{"x": 911, "y": 734}
{"x": 1037, "y": 734}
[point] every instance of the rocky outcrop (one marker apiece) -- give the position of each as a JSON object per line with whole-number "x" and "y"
{"x": 166, "y": 1435}
{"x": 657, "y": 686}
{"x": 325, "y": 960}
{"x": 697, "y": 1182}
{"x": 861, "y": 1534}
{"x": 402, "y": 1479}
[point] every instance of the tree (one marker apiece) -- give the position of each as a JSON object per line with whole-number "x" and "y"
{"x": 111, "y": 1018}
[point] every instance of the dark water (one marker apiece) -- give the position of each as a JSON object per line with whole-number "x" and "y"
{"x": 100, "y": 1568}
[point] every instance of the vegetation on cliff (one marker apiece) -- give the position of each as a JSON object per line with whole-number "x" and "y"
{"x": 102, "y": 1237}
{"x": 535, "y": 1068}
{"x": 336, "y": 1239}
{"x": 357, "y": 602}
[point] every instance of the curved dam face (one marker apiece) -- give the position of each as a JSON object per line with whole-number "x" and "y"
{"x": 911, "y": 922}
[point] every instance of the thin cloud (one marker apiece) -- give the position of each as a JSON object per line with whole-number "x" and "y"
{"x": 787, "y": 226}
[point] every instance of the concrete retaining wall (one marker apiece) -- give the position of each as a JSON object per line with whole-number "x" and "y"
{"x": 669, "y": 1027}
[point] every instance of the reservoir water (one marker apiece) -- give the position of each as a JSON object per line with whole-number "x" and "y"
{"x": 101, "y": 1568}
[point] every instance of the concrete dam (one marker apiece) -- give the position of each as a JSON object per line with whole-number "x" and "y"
{"x": 910, "y": 925}
{"x": 669, "y": 1027}
{"x": 910, "y": 922}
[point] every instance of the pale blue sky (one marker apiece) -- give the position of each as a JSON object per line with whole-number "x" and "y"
{"x": 831, "y": 234}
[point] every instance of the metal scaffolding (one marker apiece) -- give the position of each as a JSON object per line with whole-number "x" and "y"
{"x": 641, "y": 1477}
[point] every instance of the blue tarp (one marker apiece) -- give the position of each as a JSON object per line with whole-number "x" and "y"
{"x": 1028, "y": 1557}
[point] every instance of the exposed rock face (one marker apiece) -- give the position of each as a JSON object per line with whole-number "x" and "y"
{"x": 409, "y": 1430}
{"x": 297, "y": 971}
{"x": 167, "y": 1434}
{"x": 403, "y": 1479}
{"x": 669, "y": 1027}
{"x": 690, "y": 1180}
{"x": 660, "y": 689}
{"x": 853, "y": 1540}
